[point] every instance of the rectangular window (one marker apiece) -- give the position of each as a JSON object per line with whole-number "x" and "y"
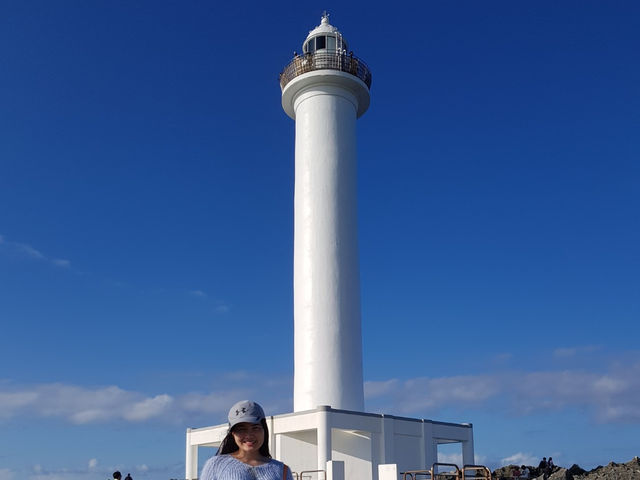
{"x": 320, "y": 42}
{"x": 331, "y": 43}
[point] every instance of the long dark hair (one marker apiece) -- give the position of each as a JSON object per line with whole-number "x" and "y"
{"x": 229, "y": 444}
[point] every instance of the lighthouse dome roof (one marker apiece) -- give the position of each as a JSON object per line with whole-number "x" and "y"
{"x": 325, "y": 30}
{"x": 324, "y": 27}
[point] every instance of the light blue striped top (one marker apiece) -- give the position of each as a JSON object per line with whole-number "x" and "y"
{"x": 226, "y": 467}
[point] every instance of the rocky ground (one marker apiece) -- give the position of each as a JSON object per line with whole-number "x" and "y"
{"x": 613, "y": 471}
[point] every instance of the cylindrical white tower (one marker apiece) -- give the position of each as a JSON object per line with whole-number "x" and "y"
{"x": 325, "y": 90}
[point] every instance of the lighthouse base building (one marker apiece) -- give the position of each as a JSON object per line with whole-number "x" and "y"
{"x": 331, "y": 444}
{"x": 328, "y": 436}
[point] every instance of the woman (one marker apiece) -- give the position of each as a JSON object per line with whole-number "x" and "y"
{"x": 244, "y": 452}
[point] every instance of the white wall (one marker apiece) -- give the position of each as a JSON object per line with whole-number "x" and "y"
{"x": 354, "y": 448}
{"x": 299, "y": 450}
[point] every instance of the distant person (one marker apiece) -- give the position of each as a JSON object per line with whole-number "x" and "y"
{"x": 515, "y": 473}
{"x": 117, "y": 475}
{"x": 550, "y": 466}
{"x": 128, "y": 477}
{"x": 244, "y": 452}
{"x": 543, "y": 464}
{"x": 524, "y": 472}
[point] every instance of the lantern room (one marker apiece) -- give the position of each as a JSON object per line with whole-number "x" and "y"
{"x": 325, "y": 37}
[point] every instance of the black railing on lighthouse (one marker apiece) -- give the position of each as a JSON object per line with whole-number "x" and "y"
{"x": 326, "y": 60}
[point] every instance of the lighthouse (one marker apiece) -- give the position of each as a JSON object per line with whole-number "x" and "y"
{"x": 325, "y": 90}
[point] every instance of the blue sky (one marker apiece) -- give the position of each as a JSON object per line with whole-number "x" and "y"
{"x": 146, "y": 222}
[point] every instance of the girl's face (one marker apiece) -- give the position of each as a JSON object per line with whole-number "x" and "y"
{"x": 248, "y": 436}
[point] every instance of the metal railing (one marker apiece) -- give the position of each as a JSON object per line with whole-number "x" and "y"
{"x": 305, "y": 475}
{"x": 326, "y": 60}
{"x": 417, "y": 475}
{"x": 479, "y": 472}
{"x": 476, "y": 472}
{"x": 452, "y": 475}
{"x": 433, "y": 474}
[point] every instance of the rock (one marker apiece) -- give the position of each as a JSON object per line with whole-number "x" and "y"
{"x": 503, "y": 472}
{"x": 561, "y": 474}
{"x": 576, "y": 470}
{"x": 615, "y": 471}
{"x": 612, "y": 471}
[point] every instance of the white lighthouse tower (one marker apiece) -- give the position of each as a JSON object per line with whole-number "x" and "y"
{"x": 329, "y": 435}
{"x": 325, "y": 90}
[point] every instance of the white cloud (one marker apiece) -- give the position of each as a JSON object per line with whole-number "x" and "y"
{"x": 59, "y": 262}
{"x": 57, "y": 476}
{"x": 503, "y": 357}
{"x": 211, "y": 403}
{"x": 18, "y": 249}
{"x": 425, "y": 394}
{"x": 85, "y": 405}
{"x": 12, "y": 402}
{"x": 376, "y": 389}
{"x": 29, "y": 251}
{"x": 519, "y": 459}
{"x": 566, "y": 352}
{"x": 222, "y": 308}
{"x": 610, "y": 397}
{"x": 5, "y": 473}
{"x": 219, "y": 306}
{"x": 60, "y": 475}
{"x": 79, "y": 405}
{"x": 455, "y": 458}
{"x": 148, "y": 408}
{"x": 89, "y": 415}
{"x": 38, "y": 472}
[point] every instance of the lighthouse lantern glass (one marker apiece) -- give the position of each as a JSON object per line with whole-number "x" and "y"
{"x": 321, "y": 42}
